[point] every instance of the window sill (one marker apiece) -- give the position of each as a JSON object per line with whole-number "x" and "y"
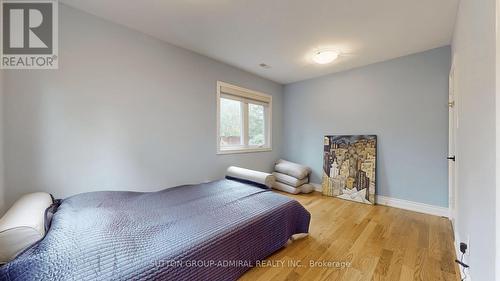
{"x": 243, "y": 150}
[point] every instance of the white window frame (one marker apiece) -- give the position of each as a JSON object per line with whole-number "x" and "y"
{"x": 245, "y": 96}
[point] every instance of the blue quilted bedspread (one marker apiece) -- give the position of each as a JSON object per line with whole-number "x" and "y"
{"x": 212, "y": 231}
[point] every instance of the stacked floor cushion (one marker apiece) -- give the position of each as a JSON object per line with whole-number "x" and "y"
{"x": 292, "y": 177}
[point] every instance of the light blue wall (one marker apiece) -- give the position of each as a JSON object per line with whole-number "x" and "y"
{"x": 124, "y": 111}
{"x": 403, "y": 101}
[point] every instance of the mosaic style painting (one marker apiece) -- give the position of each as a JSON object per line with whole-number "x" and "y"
{"x": 349, "y": 167}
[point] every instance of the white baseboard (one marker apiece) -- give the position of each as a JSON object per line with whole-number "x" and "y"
{"x": 317, "y": 187}
{"x": 404, "y": 204}
{"x": 413, "y": 206}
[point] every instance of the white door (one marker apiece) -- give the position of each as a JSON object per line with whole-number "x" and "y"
{"x": 452, "y": 158}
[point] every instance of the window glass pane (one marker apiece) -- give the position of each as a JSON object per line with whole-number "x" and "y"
{"x": 230, "y": 122}
{"x": 256, "y": 125}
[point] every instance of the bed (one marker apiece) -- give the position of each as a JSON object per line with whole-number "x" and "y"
{"x": 210, "y": 231}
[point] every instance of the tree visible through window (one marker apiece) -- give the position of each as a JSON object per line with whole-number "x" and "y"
{"x": 230, "y": 122}
{"x": 256, "y": 126}
{"x": 244, "y": 119}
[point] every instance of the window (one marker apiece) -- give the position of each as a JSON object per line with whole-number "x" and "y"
{"x": 243, "y": 121}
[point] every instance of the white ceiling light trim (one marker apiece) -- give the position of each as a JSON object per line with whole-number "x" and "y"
{"x": 325, "y": 56}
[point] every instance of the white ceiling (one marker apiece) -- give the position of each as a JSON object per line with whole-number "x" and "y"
{"x": 284, "y": 33}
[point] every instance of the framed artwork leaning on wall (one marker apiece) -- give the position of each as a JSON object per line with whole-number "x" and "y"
{"x": 349, "y": 167}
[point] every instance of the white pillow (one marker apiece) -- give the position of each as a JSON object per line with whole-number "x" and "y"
{"x": 23, "y": 224}
{"x": 250, "y": 175}
{"x": 286, "y": 179}
{"x": 286, "y": 188}
{"x": 292, "y": 169}
{"x": 307, "y": 188}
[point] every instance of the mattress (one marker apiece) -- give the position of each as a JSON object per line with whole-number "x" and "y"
{"x": 211, "y": 231}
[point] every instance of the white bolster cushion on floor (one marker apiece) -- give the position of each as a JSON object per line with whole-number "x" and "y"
{"x": 23, "y": 224}
{"x": 290, "y": 180}
{"x": 306, "y": 188}
{"x": 250, "y": 175}
{"x": 292, "y": 169}
{"x": 286, "y": 188}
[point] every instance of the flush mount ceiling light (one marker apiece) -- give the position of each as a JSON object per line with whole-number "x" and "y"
{"x": 325, "y": 56}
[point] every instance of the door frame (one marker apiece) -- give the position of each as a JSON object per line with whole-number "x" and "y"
{"x": 452, "y": 143}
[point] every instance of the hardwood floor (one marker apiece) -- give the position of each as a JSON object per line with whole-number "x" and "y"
{"x": 379, "y": 242}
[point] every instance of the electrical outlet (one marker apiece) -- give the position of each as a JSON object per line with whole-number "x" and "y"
{"x": 463, "y": 247}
